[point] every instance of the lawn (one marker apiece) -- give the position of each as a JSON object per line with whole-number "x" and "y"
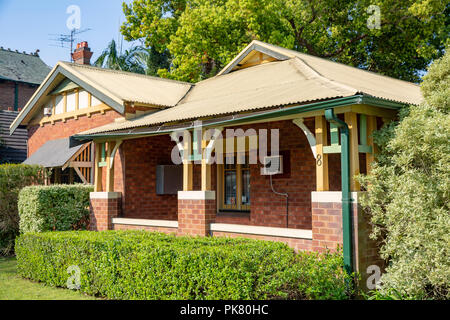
{"x": 12, "y": 287}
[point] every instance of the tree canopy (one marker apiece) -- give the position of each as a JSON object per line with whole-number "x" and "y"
{"x": 137, "y": 59}
{"x": 202, "y": 36}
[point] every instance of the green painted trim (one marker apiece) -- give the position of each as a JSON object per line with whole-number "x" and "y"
{"x": 337, "y": 149}
{"x": 196, "y": 153}
{"x": 65, "y": 85}
{"x": 322, "y": 105}
{"x": 363, "y": 129}
{"x": 364, "y": 149}
{"x": 332, "y": 149}
{"x": 102, "y": 164}
{"x": 103, "y": 155}
{"x": 334, "y": 134}
{"x": 347, "y": 231}
{"x": 16, "y": 96}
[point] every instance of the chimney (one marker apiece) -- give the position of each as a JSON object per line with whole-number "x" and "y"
{"x": 82, "y": 54}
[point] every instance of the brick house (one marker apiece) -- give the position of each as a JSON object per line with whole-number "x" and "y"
{"x": 20, "y": 75}
{"x": 307, "y": 121}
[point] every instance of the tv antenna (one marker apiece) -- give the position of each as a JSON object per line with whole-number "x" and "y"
{"x": 66, "y": 40}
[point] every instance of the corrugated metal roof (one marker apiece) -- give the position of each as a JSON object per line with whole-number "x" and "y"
{"x": 363, "y": 81}
{"x": 299, "y": 78}
{"x": 54, "y": 153}
{"x": 13, "y": 148}
{"x": 132, "y": 87}
{"x": 17, "y": 66}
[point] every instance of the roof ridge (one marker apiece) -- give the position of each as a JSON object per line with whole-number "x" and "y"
{"x": 133, "y": 74}
{"x": 239, "y": 70}
{"x": 295, "y": 52}
{"x": 31, "y": 54}
{"x": 303, "y": 67}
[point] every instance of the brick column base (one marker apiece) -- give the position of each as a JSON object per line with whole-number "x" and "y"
{"x": 196, "y": 211}
{"x": 104, "y": 207}
{"x": 327, "y": 230}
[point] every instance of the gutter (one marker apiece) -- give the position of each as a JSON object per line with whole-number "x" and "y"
{"x": 339, "y": 102}
{"x": 346, "y": 196}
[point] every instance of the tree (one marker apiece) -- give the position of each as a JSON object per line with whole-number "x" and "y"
{"x": 408, "y": 194}
{"x": 202, "y": 36}
{"x": 137, "y": 59}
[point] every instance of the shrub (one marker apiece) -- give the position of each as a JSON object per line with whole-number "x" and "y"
{"x": 409, "y": 192}
{"x": 144, "y": 265}
{"x": 56, "y": 207}
{"x": 14, "y": 177}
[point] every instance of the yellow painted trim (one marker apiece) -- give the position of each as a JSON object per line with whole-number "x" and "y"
{"x": 352, "y": 122}
{"x": 322, "y": 182}
{"x": 73, "y": 114}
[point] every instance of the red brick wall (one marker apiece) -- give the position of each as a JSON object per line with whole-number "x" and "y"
{"x": 269, "y": 209}
{"x": 139, "y": 160}
{"x": 102, "y": 213}
{"x": 327, "y": 234}
{"x": 38, "y": 135}
{"x": 195, "y": 216}
{"x": 7, "y": 94}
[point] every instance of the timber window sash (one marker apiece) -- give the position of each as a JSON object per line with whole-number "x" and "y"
{"x": 234, "y": 186}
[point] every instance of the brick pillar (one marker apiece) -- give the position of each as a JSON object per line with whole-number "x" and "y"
{"x": 196, "y": 211}
{"x": 104, "y": 207}
{"x": 327, "y": 230}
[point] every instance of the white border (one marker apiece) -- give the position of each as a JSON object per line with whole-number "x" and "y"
{"x": 196, "y": 195}
{"x": 332, "y": 196}
{"x": 262, "y": 231}
{"x": 146, "y": 222}
{"x": 105, "y": 195}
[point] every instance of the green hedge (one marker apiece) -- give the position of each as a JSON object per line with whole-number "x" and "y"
{"x": 145, "y": 265}
{"x": 14, "y": 177}
{"x": 55, "y": 207}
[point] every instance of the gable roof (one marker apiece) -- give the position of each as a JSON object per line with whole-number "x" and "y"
{"x": 22, "y": 67}
{"x": 363, "y": 81}
{"x": 54, "y": 153}
{"x": 115, "y": 88}
{"x": 295, "y": 78}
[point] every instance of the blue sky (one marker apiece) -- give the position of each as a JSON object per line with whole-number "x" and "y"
{"x": 25, "y": 25}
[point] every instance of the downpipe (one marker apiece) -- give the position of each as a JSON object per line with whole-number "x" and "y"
{"x": 346, "y": 195}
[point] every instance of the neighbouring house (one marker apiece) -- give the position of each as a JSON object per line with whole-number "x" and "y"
{"x": 20, "y": 75}
{"x": 125, "y": 130}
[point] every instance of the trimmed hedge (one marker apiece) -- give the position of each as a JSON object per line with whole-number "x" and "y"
{"x": 148, "y": 265}
{"x": 55, "y": 207}
{"x": 14, "y": 177}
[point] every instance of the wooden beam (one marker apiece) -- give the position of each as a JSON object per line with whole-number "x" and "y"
{"x": 82, "y": 177}
{"x": 109, "y": 168}
{"x": 206, "y": 167}
{"x": 352, "y": 121}
{"x": 188, "y": 168}
{"x": 322, "y": 183}
{"x": 80, "y": 164}
{"x": 371, "y": 127}
{"x": 77, "y": 97}
{"x": 98, "y": 170}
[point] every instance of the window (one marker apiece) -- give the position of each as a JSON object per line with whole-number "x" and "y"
{"x": 234, "y": 186}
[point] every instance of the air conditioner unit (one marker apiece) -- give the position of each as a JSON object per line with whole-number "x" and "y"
{"x": 272, "y": 165}
{"x": 47, "y": 111}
